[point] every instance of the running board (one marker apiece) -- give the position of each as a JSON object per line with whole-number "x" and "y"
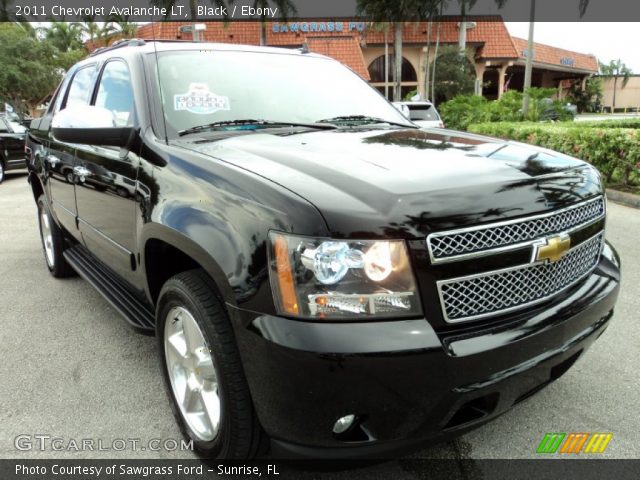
{"x": 137, "y": 313}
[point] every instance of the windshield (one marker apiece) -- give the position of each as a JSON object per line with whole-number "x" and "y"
{"x": 16, "y": 127}
{"x": 423, "y": 112}
{"x": 207, "y": 86}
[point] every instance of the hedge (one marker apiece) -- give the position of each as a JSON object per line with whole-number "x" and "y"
{"x": 622, "y": 123}
{"x": 614, "y": 151}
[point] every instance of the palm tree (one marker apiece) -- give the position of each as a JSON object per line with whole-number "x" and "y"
{"x": 123, "y": 26}
{"x": 286, "y": 8}
{"x": 384, "y": 28}
{"x": 396, "y": 13}
{"x": 33, "y": 32}
{"x": 98, "y": 35}
{"x": 465, "y": 6}
{"x": 64, "y": 36}
{"x": 616, "y": 68}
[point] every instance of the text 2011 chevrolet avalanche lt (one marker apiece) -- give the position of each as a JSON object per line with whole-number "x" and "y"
{"x": 318, "y": 271}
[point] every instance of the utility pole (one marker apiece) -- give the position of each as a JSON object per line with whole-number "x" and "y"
{"x": 529, "y": 67}
{"x": 386, "y": 62}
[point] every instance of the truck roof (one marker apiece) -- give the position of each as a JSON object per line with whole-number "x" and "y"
{"x": 151, "y": 46}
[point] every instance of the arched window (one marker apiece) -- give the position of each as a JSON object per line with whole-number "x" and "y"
{"x": 376, "y": 70}
{"x": 409, "y": 75}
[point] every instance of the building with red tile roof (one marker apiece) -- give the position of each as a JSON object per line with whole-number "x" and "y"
{"x": 499, "y": 58}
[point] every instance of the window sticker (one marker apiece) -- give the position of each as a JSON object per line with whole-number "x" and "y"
{"x": 200, "y": 100}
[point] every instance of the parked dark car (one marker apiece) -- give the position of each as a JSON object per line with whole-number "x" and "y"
{"x": 552, "y": 110}
{"x": 12, "y": 141}
{"x": 319, "y": 272}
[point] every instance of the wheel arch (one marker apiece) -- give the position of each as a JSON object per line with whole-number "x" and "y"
{"x": 36, "y": 185}
{"x": 166, "y": 252}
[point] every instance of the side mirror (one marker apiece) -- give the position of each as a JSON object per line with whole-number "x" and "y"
{"x": 90, "y": 125}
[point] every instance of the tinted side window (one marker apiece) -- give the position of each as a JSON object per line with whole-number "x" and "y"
{"x": 115, "y": 92}
{"x": 81, "y": 87}
{"x": 56, "y": 102}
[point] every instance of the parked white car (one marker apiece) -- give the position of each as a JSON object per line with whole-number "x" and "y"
{"x": 421, "y": 113}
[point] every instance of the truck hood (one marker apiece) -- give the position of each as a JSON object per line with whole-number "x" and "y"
{"x": 406, "y": 182}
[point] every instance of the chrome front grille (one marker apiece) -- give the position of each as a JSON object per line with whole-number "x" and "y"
{"x": 487, "y": 239}
{"x": 501, "y": 291}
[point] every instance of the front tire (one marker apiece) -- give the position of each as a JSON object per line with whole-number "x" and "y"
{"x": 201, "y": 367}
{"x": 1, "y": 170}
{"x": 53, "y": 242}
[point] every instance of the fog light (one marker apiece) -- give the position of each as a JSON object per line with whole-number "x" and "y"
{"x": 343, "y": 424}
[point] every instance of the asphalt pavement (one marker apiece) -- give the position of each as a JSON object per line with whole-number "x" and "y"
{"x": 71, "y": 368}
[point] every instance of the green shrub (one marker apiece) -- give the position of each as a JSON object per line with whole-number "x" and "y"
{"x": 614, "y": 151}
{"x": 589, "y": 99}
{"x": 463, "y": 110}
{"x": 508, "y": 108}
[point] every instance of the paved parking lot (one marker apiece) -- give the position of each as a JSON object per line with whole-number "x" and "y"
{"x": 71, "y": 368}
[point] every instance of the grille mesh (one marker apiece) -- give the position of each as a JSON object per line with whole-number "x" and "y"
{"x": 492, "y": 293}
{"x": 450, "y": 245}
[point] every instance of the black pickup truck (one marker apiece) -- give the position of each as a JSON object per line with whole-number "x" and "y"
{"x": 322, "y": 276}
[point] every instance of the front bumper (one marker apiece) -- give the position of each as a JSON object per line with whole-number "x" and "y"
{"x": 408, "y": 385}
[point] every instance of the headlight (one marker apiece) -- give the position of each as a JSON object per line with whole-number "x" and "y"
{"x": 317, "y": 278}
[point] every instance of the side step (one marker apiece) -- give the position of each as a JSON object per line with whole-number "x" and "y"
{"x": 135, "y": 310}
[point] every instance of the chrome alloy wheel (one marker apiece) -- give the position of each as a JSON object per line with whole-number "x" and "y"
{"x": 192, "y": 373}
{"x": 47, "y": 237}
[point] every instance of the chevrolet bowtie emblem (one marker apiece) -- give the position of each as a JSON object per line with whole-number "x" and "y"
{"x": 551, "y": 249}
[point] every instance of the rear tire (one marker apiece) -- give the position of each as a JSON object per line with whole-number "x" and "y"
{"x": 201, "y": 367}
{"x": 53, "y": 242}
{"x": 1, "y": 170}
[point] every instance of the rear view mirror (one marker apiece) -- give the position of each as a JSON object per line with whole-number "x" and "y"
{"x": 90, "y": 125}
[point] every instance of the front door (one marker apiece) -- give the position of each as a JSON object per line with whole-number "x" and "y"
{"x": 106, "y": 180}
{"x": 59, "y": 160}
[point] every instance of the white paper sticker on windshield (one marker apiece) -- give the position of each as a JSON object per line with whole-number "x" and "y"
{"x": 200, "y": 100}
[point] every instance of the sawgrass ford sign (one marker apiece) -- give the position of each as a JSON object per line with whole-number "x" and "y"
{"x": 319, "y": 27}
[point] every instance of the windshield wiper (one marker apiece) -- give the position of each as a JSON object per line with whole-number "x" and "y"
{"x": 250, "y": 122}
{"x": 363, "y": 120}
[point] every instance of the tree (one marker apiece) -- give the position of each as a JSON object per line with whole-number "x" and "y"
{"x": 123, "y": 26}
{"x": 397, "y": 12}
{"x": 616, "y": 68}
{"x": 384, "y": 28}
{"x": 455, "y": 75}
{"x": 588, "y": 99}
{"x": 97, "y": 34}
{"x": 5, "y": 11}
{"x": 465, "y": 6}
{"x": 66, "y": 40}
{"x": 286, "y": 8}
{"x": 30, "y": 69}
{"x": 33, "y": 32}
{"x": 64, "y": 36}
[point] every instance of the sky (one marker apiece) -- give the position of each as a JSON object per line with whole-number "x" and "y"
{"x": 607, "y": 41}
